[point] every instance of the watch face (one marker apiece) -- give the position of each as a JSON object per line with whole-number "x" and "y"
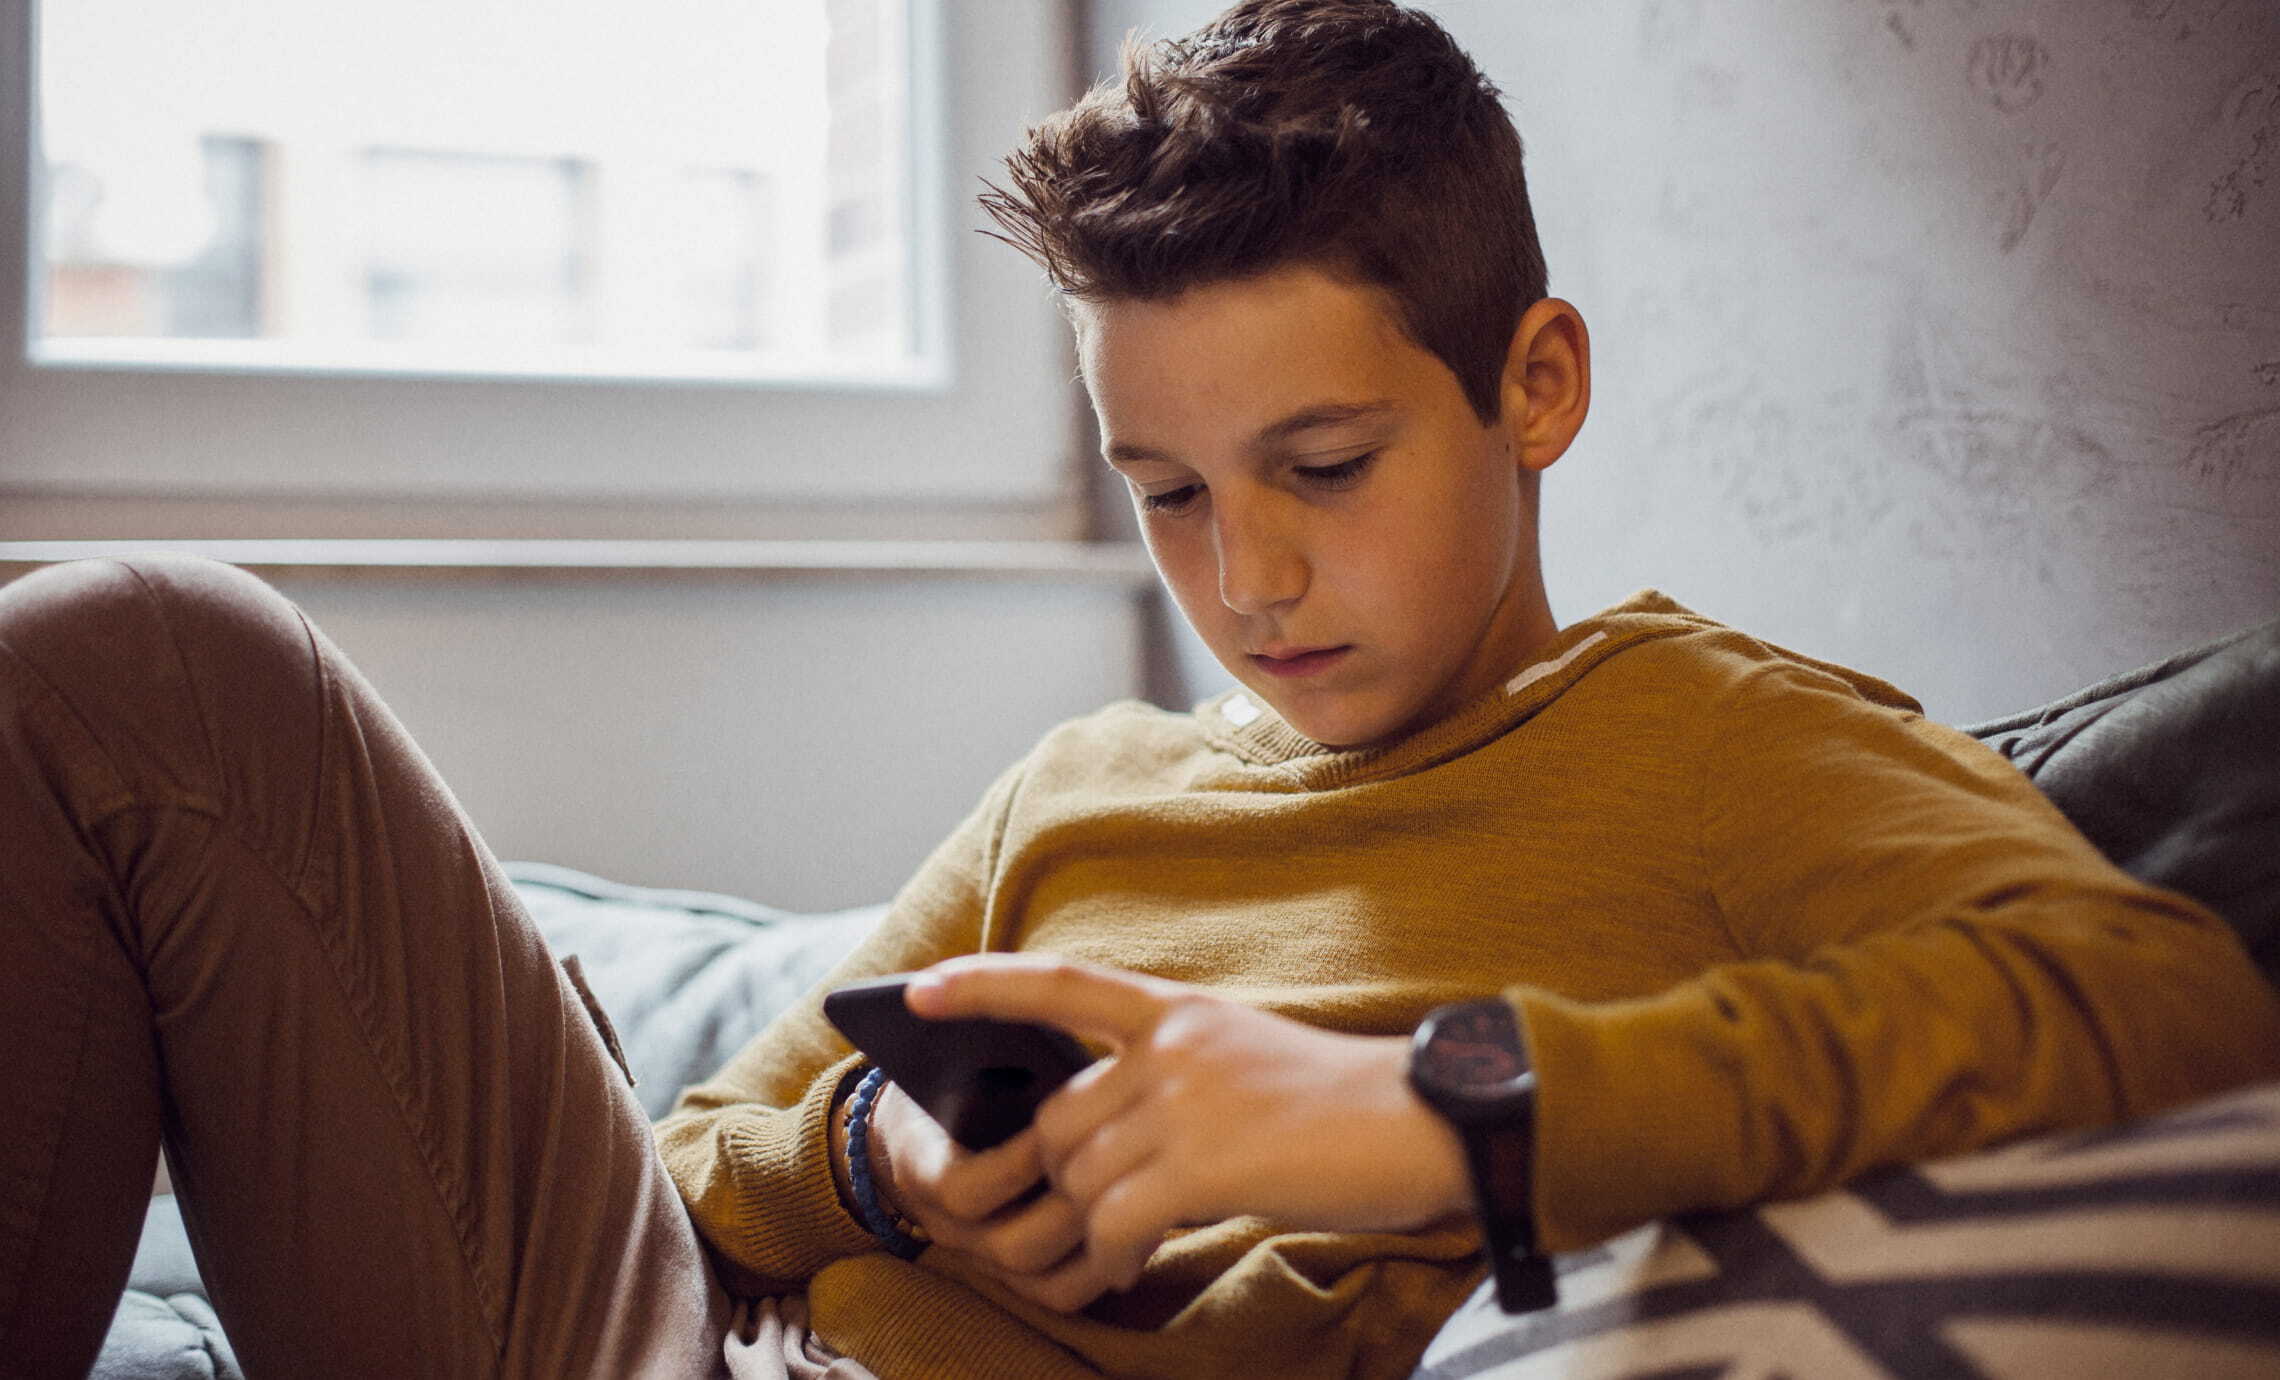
{"x": 1474, "y": 1049}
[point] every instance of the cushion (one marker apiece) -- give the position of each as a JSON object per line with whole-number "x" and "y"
{"x": 164, "y": 1326}
{"x": 2151, "y": 1249}
{"x": 175, "y": 1338}
{"x": 686, "y": 977}
{"x": 2173, "y": 770}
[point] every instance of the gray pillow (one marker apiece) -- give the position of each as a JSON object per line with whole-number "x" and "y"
{"x": 687, "y": 977}
{"x": 2173, "y": 770}
{"x": 165, "y": 1329}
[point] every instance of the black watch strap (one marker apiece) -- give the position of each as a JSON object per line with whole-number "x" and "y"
{"x": 1470, "y": 1064}
{"x": 1502, "y": 1159}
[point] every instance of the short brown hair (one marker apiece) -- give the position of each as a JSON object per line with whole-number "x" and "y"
{"x": 1354, "y": 135}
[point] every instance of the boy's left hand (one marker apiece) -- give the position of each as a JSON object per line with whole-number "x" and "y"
{"x": 1207, "y": 1109}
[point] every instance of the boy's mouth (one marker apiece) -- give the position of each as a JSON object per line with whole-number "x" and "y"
{"x": 1300, "y": 661}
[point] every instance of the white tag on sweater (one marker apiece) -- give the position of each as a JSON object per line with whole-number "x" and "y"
{"x": 1544, "y": 668}
{"x": 1239, "y": 711}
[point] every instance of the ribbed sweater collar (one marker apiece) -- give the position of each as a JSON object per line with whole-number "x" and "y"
{"x": 1242, "y": 723}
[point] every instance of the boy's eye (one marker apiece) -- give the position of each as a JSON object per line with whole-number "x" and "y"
{"x": 1338, "y": 475}
{"x": 1171, "y": 500}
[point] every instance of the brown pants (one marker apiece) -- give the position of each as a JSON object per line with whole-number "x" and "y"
{"x": 240, "y": 914}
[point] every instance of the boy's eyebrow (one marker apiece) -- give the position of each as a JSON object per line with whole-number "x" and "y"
{"x": 1281, "y": 429}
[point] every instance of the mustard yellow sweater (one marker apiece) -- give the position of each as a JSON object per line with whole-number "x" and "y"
{"x": 1765, "y": 926}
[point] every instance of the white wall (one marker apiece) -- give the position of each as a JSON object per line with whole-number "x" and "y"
{"x": 801, "y": 740}
{"x": 1940, "y": 337}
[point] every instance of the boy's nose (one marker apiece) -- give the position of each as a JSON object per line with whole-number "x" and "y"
{"x": 1260, "y": 564}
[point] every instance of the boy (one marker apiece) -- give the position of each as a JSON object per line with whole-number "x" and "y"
{"x": 1752, "y": 923}
{"x": 1755, "y": 925}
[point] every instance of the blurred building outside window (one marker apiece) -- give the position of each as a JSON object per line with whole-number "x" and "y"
{"x": 687, "y": 188}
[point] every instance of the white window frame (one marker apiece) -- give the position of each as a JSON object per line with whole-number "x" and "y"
{"x": 993, "y": 427}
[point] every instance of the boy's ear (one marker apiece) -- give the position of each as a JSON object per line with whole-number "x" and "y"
{"x": 1547, "y": 382}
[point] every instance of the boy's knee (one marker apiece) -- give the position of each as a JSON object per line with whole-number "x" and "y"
{"x": 148, "y": 609}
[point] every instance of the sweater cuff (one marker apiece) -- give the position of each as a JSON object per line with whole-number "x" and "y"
{"x": 1633, "y": 1121}
{"x": 758, "y": 1182}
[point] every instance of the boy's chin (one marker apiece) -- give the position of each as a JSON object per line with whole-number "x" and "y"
{"x": 1342, "y": 727}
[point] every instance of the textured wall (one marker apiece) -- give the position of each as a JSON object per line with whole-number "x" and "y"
{"x": 1941, "y": 337}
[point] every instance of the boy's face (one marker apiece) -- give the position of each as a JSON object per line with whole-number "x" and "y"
{"x": 1333, "y": 519}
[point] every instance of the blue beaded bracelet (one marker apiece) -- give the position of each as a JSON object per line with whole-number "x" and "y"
{"x": 874, "y": 1217}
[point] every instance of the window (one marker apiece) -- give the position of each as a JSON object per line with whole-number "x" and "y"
{"x": 488, "y": 213}
{"x": 696, "y": 249}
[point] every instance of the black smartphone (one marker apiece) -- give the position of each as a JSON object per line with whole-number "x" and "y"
{"x": 981, "y": 1080}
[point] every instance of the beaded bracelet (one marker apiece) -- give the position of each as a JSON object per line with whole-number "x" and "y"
{"x": 895, "y": 1234}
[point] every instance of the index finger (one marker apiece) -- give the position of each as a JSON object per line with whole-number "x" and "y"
{"x": 974, "y": 1184}
{"x": 1084, "y": 1000}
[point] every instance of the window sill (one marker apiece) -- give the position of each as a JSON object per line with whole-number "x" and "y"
{"x": 1114, "y": 563}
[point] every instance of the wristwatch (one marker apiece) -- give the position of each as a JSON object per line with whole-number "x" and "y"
{"x": 1469, "y": 1064}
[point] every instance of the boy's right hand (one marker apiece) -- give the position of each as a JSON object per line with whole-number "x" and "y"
{"x": 985, "y": 1205}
